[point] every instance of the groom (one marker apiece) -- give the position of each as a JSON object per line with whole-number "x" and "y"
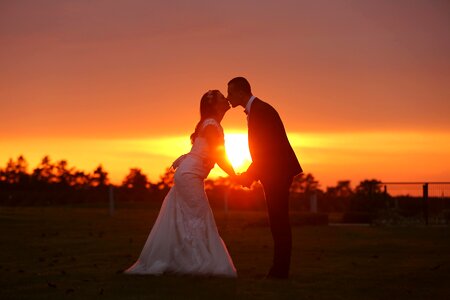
{"x": 274, "y": 164}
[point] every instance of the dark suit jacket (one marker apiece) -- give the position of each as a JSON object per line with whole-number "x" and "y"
{"x": 272, "y": 154}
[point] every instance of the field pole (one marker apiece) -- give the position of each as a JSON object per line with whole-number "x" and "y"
{"x": 425, "y": 202}
{"x": 111, "y": 200}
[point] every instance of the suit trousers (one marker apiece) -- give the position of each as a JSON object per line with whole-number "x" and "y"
{"x": 276, "y": 191}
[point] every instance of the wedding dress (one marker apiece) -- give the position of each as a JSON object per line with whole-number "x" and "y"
{"x": 184, "y": 238}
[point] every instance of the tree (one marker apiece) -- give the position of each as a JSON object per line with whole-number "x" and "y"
{"x": 16, "y": 171}
{"x": 2, "y": 176}
{"x": 304, "y": 184}
{"x": 136, "y": 180}
{"x": 44, "y": 173}
{"x": 99, "y": 178}
{"x": 167, "y": 179}
{"x": 80, "y": 179}
{"x": 369, "y": 188}
{"x": 368, "y": 196}
{"x": 63, "y": 175}
{"x": 341, "y": 190}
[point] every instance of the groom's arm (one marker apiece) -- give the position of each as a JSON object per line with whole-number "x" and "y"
{"x": 251, "y": 172}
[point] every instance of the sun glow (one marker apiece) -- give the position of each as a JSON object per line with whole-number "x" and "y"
{"x": 385, "y": 155}
{"x": 236, "y": 146}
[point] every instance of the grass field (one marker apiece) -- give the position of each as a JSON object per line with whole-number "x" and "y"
{"x": 78, "y": 253}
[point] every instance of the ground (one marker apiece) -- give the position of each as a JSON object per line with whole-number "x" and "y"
{"x": 80, "y": 252}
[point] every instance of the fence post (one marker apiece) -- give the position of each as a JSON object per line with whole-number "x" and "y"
{"x": 425, "y": 202}
{"x": 111, "y": 200}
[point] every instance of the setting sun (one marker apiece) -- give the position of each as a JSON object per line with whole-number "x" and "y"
{"x": 236, "y": 145}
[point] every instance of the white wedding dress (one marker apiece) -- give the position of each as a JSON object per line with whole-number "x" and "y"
{"x": 184, "y": 238}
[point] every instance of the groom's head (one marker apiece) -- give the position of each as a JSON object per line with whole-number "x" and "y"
{"x": 239, "y": 91}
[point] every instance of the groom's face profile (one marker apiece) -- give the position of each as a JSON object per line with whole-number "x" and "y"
{"x": 234, "y": 96}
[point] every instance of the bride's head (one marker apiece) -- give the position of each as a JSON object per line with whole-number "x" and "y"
{"x": 213, "y": 105}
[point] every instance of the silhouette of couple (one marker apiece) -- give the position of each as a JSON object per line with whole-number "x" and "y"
{"x": 184, "y": 238}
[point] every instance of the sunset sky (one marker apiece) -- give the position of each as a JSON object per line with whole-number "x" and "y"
{"x": 363, "y": 87}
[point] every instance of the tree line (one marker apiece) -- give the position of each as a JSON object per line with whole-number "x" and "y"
{"x": 59, "y": 178}
{"x": 56, "y": 182}
{"x": 59, "y": 174}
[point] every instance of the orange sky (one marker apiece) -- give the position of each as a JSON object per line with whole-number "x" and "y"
{"x": 92, "y": 81}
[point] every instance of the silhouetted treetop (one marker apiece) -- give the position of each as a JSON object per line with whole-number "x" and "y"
{"x": 136, "y": 180}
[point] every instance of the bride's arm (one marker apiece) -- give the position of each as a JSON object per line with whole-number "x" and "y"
{"x": 216, "y": 142}
{"x": 223, "y": 162}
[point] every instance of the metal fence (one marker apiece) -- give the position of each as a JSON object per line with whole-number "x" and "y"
{"x": 416, "y": 189}
{"x": 429, "y": 198}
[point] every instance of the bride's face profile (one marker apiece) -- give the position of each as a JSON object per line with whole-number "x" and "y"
{"x": 222, "y": 105}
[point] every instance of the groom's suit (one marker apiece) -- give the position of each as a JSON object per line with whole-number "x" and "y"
{"x": 275, "y": 165}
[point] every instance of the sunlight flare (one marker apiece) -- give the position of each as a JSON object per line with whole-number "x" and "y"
{"x": 236, "y": 146}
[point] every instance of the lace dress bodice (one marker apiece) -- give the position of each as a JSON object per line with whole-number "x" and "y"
{"x": 200, "y": 160}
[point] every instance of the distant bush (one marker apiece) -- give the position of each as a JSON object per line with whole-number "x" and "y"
{"x": 297, "y": 219}
{"x": 446, "y": 216}
{"x": 309, "y": 219}
{"x": 357, "y": 217}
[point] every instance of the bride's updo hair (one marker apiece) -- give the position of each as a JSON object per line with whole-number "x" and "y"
{"x": 207, "y": 110}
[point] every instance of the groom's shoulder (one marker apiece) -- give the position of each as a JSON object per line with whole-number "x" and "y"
{"x": 262, "y": 105}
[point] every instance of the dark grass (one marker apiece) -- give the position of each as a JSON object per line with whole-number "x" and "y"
{"x": 79, "y": 253}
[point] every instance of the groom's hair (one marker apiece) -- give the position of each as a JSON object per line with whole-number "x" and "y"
{"x": 241, "y": 84}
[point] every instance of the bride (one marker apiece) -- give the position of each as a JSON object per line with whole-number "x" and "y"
{"x": 184, "y": 238}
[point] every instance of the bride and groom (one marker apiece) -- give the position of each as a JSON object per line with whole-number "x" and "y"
{"x": 184, "y": 238}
